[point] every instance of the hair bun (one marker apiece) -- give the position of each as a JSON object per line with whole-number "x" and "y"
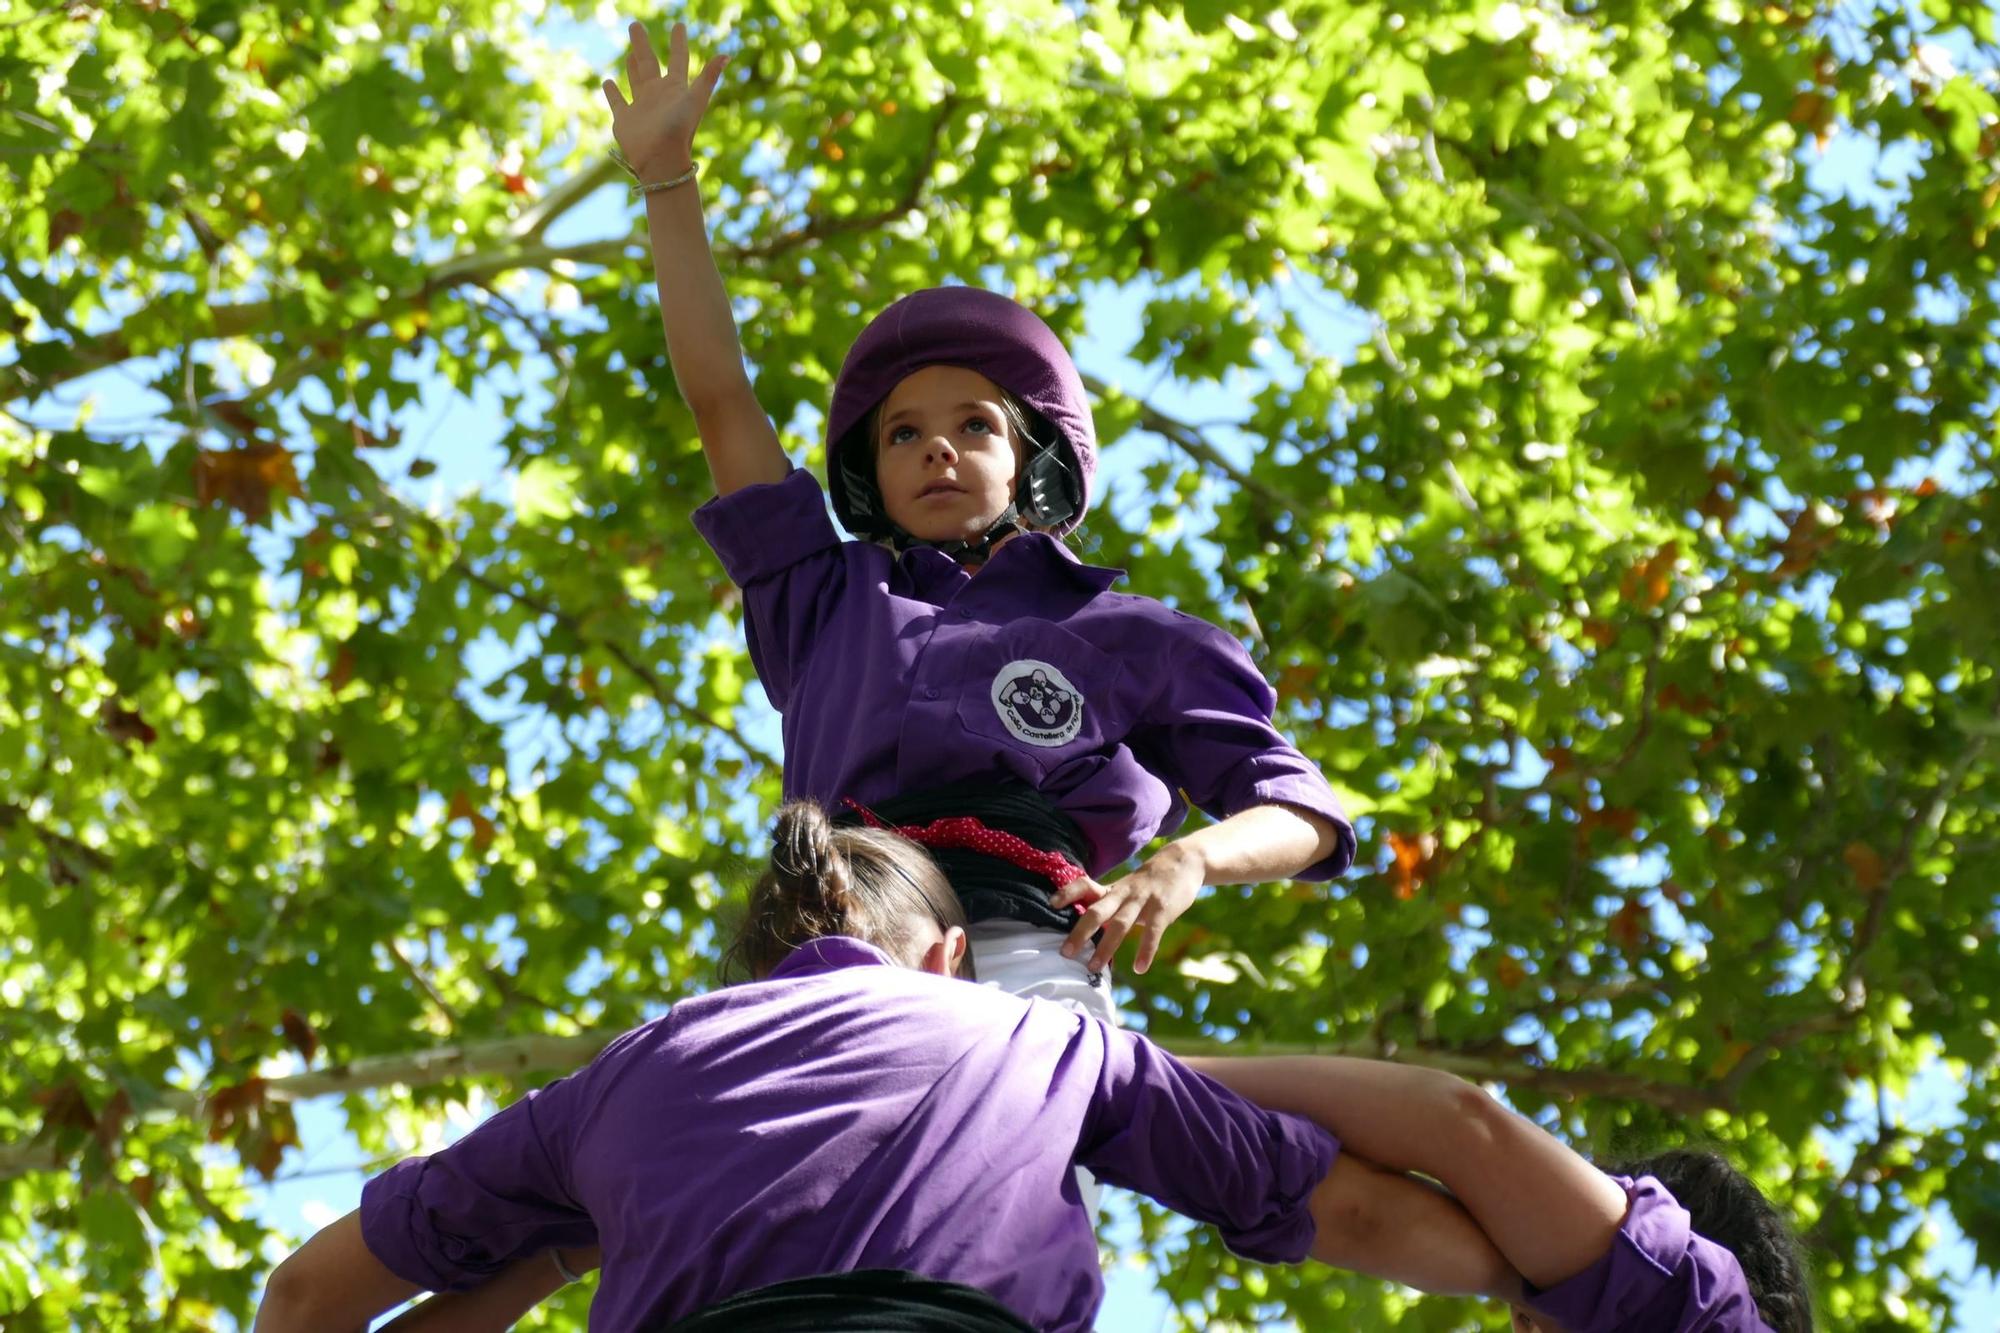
{"x": 807, "y": 864}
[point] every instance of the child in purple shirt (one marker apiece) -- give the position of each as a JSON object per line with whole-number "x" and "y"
{"x": 846, "y": 1114}
{"x": 853, "y": 1110}
{"x": 958, "y": 645}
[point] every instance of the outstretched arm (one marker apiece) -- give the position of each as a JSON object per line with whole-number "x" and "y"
{"x": 1550, "y": 1212}
{"x": 497, "y": 1305}
{"x": 1254, "y": 846}
{"x": 655, "y": 130}
{"x": 331, "y": 1284}
{"x": 1276, "y": 1188}
{"x": 1388, "y": 1225}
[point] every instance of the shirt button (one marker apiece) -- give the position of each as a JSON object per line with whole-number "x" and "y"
{"x": 930, "y": 692}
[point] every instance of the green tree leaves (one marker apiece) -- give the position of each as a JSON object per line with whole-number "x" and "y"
{"x": 1632, "y": 575}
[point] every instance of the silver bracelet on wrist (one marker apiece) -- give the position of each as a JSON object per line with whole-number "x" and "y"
{"x": 555, "y": 1257}
{"x": 694, "y": 169}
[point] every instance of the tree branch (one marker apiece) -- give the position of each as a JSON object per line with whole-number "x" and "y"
{"x": 547, "y": 1053}
{"x": 535, "y": 1053}
{"x": 1683, "y": 1098}
{"x": 618, "y": 652}
{"x": 1851, "y": 987}
{"x": 1777, "y": 1042}
{"x": 823, "y": 226}
{"x": 12, "y": 816}
{"x": 532, "y": 224}
{"x": 482, "y": 267}
{"x": 1191, "y": 442}
{"x": 430, "y": 991}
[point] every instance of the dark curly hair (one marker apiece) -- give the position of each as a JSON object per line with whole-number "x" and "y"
{"x": 1725, "y": 1207}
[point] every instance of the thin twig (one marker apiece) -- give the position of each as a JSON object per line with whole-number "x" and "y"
{"x": 1191, "y": 442}
{"x": 646, "y": 675}
{"x": 480, "y": 268}
{"x": 416, "y": 974}
{"x": 1851, "y": 988}
{"x": 824, "y": 225}
{"x": 536, "y": 221}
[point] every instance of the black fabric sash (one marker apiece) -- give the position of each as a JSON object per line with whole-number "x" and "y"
{"x": 990, "y": 887}
{"x": 871, "y": 1300}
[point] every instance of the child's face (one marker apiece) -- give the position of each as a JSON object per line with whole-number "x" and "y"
{"x": 945, "y": 459}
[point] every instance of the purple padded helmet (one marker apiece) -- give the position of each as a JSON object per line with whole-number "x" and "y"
{"x": 980, "y": 331}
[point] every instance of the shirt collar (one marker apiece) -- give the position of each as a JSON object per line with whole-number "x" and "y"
{"x": 1036, "y": 556}
{"x": 827, "y": 954}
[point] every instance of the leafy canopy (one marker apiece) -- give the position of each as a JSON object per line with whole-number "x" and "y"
{"x": 1634, "y": 577}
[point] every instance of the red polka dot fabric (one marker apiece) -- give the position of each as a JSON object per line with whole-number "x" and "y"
{"x": 967, "y": 832}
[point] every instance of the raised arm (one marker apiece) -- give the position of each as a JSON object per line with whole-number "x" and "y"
{"x": 1550, "y": 1212}
{"x": 655, "y": 130}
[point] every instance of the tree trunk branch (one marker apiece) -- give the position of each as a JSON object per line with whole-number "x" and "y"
{"x": 482, "y": 267}
{"x": 1196, "y": 446}
{"x": 625, "y": 658}
{"x": 549, "y": 1053}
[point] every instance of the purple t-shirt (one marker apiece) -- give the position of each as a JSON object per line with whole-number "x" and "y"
{"x": 895, "y": 671}
{"x": 1658, "y": 1277}
{"x": 847, "y": 1113}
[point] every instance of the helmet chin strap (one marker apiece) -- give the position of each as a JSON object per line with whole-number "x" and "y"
{"x": 966, "y": 552}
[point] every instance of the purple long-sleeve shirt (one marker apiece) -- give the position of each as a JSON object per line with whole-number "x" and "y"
{"x": 847, "y": 1113}
{"x": 1659, "y": 1276}
{"x": 894, "y": 671}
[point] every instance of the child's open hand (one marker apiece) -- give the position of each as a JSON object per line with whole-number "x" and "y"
{"x": 1151, "y": 898}
{"x": 655, "y": 130}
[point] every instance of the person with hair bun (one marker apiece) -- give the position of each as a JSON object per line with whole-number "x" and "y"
{"x": 850, "y": 1139}
{"x": 860, "y": 1145}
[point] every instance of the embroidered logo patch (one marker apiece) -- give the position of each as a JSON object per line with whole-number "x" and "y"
{"x": 1037, "y": 703}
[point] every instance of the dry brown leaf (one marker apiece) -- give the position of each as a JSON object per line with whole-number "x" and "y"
{"x": 244, "y": 477}
{"x": 1415, "y": 857}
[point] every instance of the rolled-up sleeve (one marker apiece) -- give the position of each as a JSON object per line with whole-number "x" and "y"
{"x": 1209, "y": 732}
{"x": 453, "y": 1219}
{"x": 777, "y": 543}
{"x": 1659, "y": 1276}
{"x": 1180, "y": 1137}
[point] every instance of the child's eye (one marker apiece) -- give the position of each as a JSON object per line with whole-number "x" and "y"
{"x": 980, "y": 422}
{"x": 899, "y": 433}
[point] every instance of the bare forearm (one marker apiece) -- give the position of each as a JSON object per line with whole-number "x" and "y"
{"x": 332, "y": 1284}
{"x": 702, "y": 343}
{"x": 1550, "y": 1212}
{"x": 1396, "y": 1227}
{"x": 1265, "y": 842}
{"x": 491, "y": 1308}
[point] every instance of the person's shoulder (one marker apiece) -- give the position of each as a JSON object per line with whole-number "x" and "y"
{"x": 1139, "y": 609}
{"x": 1168, "y": 629}
{"x": 649, "y": 1035}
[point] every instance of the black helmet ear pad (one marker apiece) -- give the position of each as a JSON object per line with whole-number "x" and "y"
{"x": 1050, "y": 493}
{"x": 857, "y": 497}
